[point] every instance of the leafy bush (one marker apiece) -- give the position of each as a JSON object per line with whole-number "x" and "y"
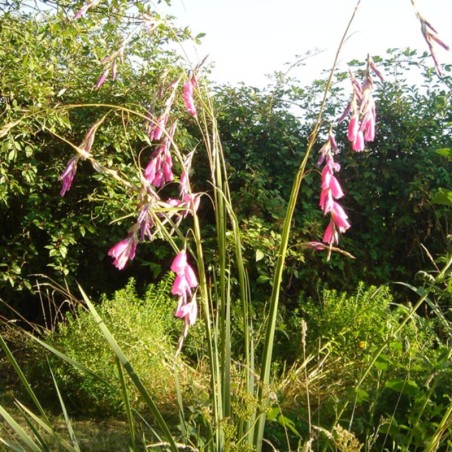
{"x": 369, "y": 369}
{"x": 48, "y": 60}
{"x": 363, "y": 321}
{"x": 145, "y": 328}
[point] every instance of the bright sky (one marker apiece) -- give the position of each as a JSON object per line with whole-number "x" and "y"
{"x": 247, "y": 39}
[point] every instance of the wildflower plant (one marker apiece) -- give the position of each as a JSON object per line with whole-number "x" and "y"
{"x": 166, "y": 206}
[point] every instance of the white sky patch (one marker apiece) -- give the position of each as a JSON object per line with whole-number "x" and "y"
{"x": 247, "y": 39}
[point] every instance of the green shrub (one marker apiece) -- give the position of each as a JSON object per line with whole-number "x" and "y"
{"x": 403, "y": 397}
{"x": 145, "y": 329}
{"x": 359, "y": 324}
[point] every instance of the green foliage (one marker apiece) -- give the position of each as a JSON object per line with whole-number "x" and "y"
{"x": 443, "y": 196}
{"x": 404, "y": 396}
{"x": 142, "y": 326}
{"x": 357, "y": 325}
{"x": 392, "y": 188}
{"x": 50, "y": 65}
{"x": 263, "y": 145}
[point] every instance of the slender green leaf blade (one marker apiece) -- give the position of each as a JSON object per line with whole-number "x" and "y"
{"x": 32, "y": 446}
{"x": 66, "y": 416}
{"x": 22, "y": 377}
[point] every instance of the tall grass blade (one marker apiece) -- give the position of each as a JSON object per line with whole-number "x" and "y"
{"x": 65, "y": 414}
{"x": 180, "y": 404}
{"x": 10, "y": 446}
{"x": 47, "y": 429}
{"x": 444, "y": 425}
{"x": 226, "y": 344}
{"x": 25, "y": 438}
{"x": 43, "y": 443}
{"x": 23, "y": 378}
{"x": 125, "y": 398}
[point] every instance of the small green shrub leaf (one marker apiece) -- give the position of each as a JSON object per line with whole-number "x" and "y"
{"x": 382, "y": 363}
{"x": 361, "y": 395}
{"x": 408, "y": 387}
{"x": 273, "y": 414}
{"x": 259, "y": 255}
{"x": 445, "y": 152}
{"x": 443, "y": 196}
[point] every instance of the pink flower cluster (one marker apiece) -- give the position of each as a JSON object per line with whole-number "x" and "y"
{"x": 153, "y": 212}
{"x": 361, "y": 127}
{"x": 331, "y": 191}
{"x": 124, "y": 251}
{"x": 185, "y": 281}
{"x": 67, "y": 177}
{"x": 160, "y": 168}
{"x": 187, "y": 95}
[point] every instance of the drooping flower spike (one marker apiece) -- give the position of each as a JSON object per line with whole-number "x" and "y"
{"x": 159, "y": 170}
{"x": 361, "y": 128}
{"x": 188, "y": 311}
{"x": 185, "y": 281}
{"x": 157, "y": 126}
{"x": 83, "y": 151}
{"x": 431, "y": 37}
{"x": 184, "y": 183}
{"x": 331, "y": 190}
{"x": 185, "y": 277}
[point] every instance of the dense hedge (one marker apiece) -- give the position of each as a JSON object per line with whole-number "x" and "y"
{"x": 50, "y": 61}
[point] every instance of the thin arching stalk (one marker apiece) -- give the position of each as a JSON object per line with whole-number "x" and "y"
{"x": 277, "y": 279}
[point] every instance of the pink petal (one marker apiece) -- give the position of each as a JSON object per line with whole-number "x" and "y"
{"x": 188, "y": 96}
{"x": 340, "y": 217}
{"x": 358, "y": 144}
{"x": 179, "y": 263}
{"x": 68, "y": 175}
{"x": 180, "y": 286}
{"x": 188, "y": 311}
{"x": 326, "y": 200}
{"x": 102, "y": 79}
{"x": 336, "y": 188}
{"x": 149, "y": 172}
{"x": 190, "y": 276}
{"x": 353, "y": 128}
{"x": 326, "y": 177}
{"x": 369, "y": 129}
{"x": 123, "y": 251}
{"x": 330, "y": 235}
